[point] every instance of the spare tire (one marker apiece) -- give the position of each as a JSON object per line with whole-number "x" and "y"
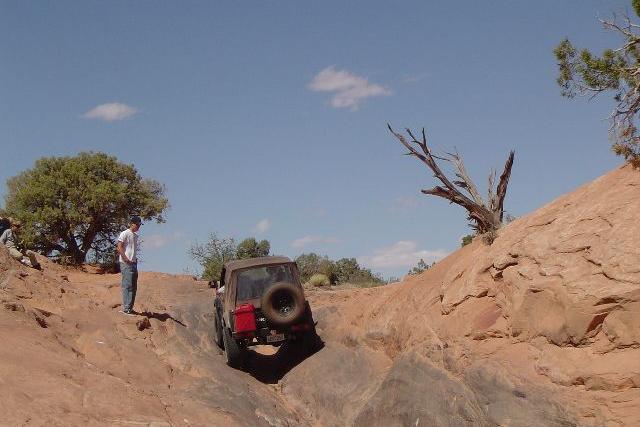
{"x": 283, "y": 304}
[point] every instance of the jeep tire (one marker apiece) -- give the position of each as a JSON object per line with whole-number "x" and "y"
{"x": 283, "y": 304}
{"x": 310, "y": 341}
{"x": 217, "y": 330}
{"x": 235, "y": 353}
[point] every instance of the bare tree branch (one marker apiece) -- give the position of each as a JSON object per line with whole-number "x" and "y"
{"x": 483, "y": 217}
{"x": 504, "y": 182}
{"x": 467, "y": 183}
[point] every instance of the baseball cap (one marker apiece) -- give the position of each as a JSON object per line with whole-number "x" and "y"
{"x": 136, "y": 220}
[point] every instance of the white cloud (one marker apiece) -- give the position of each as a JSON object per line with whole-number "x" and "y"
{"x": 349, "y": 89}
{"x": 110, "y": 112}
{"x": 155, "y": 241}
{"x": 262, "y": 226}
{"x": 401, "y": 254}
{"x": 307, "y": 240}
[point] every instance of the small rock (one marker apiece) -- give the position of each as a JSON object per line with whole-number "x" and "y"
{"x": 13, "y": 306}
{"x": 143, "y": 324}
{"x": 504, "y": 261}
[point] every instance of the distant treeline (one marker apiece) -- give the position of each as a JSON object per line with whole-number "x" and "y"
{"x": 344, "y": 270}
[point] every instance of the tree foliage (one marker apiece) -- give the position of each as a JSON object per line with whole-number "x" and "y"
{"x": 77, "y": 205}
{"x": 419, "y": 268}
{"x": 312, "y": 263}
{"x": 251, "y": 248}
{"x": 319, "y": 279}
{"x": 616, "y": 70}
{"x": 213, "y": 254}
{"x": 216, "y": 251}
{"x": 466, "y": 240}
{"x": 344, "y": 270}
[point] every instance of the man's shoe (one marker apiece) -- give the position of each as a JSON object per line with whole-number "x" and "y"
{"x": 128, "y": 312}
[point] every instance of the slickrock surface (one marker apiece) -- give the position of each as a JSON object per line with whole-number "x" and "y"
{"x": 68, "y": 357}
{"x": 542, "y": 328}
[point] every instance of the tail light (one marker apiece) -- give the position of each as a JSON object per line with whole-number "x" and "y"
{"x": 245, "y": 318}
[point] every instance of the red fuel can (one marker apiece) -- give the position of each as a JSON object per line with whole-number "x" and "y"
{"x": 245, "y": 318}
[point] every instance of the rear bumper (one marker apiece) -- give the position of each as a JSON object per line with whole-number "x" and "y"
{"x": 259, "y": 336}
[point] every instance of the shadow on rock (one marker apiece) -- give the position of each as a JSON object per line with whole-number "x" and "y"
{"x": 163, "y": 317}
{"x": 270, "y": 369}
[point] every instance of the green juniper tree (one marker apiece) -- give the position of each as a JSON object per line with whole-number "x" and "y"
{"x": 615, "y": 70}
{"x": 76, "y": 205}
{"x": 251, "y": 248}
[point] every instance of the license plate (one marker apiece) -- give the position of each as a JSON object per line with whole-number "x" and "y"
{"x": 275, "y": 337}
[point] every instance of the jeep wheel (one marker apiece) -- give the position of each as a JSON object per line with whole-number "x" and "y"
{"x": 235, "y": 353}
{"x": 283, "y": 304}
{"x": 310, "y": 341}
{"x": 217, "y": 330}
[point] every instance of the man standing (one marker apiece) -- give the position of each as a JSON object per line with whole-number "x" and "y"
{"x": 127, "y": 248}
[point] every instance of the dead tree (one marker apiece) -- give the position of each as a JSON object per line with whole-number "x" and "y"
{"x": 484, "y": 217}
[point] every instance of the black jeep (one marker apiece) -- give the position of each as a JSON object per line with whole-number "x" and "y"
{"x": 261, "y": 301}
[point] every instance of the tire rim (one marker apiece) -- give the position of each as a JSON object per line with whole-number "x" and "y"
{"x": 283, "y": 303}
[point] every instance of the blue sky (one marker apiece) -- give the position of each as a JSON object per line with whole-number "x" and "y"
{"x": 268, "y": 119}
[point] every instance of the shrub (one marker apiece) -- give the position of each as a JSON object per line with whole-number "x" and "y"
{"x": 319, "y": 279}
{"x": 342, "y": 271}
{"x": 312, "y": 263}
{"x": 422, "y": 266}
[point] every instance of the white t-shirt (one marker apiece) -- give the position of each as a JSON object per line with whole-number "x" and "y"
{"x": 129, "y": 241}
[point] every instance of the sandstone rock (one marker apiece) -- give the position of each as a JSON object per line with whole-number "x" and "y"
{"x": 415, "y": 392}
{"x": 335, "y": 383}
{"x": 515, "y": 405}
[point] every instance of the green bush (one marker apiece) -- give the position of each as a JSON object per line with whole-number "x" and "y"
{"x": 342, "y": 271}
{"x": 312, "y": 263}
{"x": 319, "y": 280}
{"x": 466, "y": 240}
{"x": 421, "y": 267}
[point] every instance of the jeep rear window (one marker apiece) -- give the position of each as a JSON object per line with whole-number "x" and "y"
{"x": 251, "y": 283}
